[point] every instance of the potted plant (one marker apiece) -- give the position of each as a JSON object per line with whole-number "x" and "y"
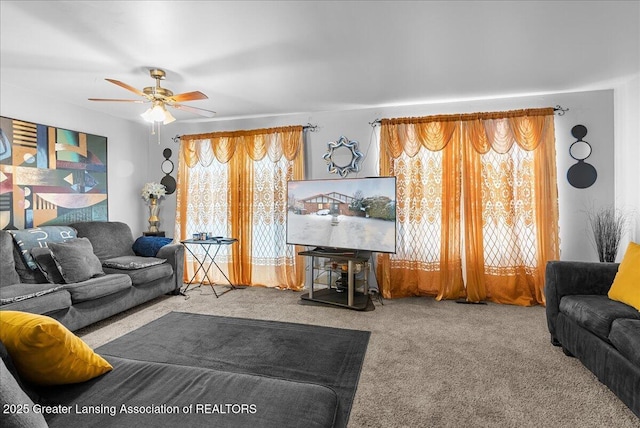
{"x": 607, "y": 225}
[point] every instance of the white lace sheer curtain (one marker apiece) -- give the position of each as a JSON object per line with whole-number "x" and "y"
{"x": 235, "y": 185}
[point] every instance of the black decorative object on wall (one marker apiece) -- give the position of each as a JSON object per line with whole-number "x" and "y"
{"x": 167, "y": 167}
{"x": 582, "y": 174}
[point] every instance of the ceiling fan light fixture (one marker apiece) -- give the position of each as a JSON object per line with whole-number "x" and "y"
{"x": 168, "y": 118}
{"x": 158, "y": 113}
{"x": 147, "y": 115}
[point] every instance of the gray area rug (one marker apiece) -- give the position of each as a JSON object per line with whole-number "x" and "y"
{"x": 428, "y": 363}
{"x": 326, "y": 356}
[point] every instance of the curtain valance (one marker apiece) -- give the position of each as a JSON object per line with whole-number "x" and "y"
{"x": 257, "y": 143}
{"x": 493, "y": 130}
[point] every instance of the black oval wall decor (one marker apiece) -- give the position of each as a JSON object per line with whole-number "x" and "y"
{"x": 167, "y": 167}
{"x": 582, "y": 174}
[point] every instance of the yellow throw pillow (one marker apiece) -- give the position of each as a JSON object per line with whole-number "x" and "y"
{"x": 626, "y": 284}
{"x": 45, "y": 352}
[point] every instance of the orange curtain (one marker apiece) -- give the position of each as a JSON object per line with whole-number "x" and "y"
{"x": 234, "y": 184}
{"x": 506, "y": 164}
{"x": 424, "y": 156}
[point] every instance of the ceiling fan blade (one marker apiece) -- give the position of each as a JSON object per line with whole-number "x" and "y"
{"x": 117, "y": 100}
{"x": 188, "y": 96}
{"x": 199, "y": 111}
{"x": 128, "y": 87}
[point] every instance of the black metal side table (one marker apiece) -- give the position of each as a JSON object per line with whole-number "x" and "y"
{"x": 211, "y": 248}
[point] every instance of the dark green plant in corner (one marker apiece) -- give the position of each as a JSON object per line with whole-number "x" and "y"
{"x": 607, "y": 225}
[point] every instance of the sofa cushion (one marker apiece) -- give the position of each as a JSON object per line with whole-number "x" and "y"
{"x": 8, "y": 362}
{"x": 596, "y": 313}
{"x": 18, "y": 292}
{"x": 146, "y": 275}
{"x": 47, "y": 303}
{"x": 109, "y": 238}
{"x": 132, "y": 262}
{"x": 626, "y": 284}
{"x": 46, "y": 265}
{"x": 95, "y": 288}
{"x": 625, "y": 336}
{"x": 45, "y": 352}
{"x": 9, "y": 275}
{"x": 75, "y": 260}
{"x": 267, "y": 402}
{"x": 40, "y": 237}
{"x": 148, "y": 246}
{"x": 11, "y": 394}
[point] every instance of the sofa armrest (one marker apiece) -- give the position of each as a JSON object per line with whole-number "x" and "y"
{"x": 174, "y": 253}
{"x": 564, "y": 278}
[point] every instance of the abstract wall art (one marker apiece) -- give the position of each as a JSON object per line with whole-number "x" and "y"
{"x": 50, "y": 176}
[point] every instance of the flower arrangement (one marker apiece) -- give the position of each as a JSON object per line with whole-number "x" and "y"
{"x": 153, "y": 191}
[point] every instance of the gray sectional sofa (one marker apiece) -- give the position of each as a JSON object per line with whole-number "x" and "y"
{"x": 602, "y": 333}
{"x": 136, "y": 392}
{"x": 131, "y": 281}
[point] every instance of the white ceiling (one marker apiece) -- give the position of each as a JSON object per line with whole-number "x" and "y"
{"x": 270, "y": 58}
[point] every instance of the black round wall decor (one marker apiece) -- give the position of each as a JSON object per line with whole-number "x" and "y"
{"x": 582, "y": 174}
{"x": 167, "y": 167}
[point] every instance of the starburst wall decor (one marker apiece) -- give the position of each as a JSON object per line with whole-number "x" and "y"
{"x": 50, "y": 176}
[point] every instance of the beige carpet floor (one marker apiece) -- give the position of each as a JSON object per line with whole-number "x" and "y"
{"x": 428, "y": 363}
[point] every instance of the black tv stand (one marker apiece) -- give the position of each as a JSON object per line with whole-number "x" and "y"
{"x": 327, "y": 250}
{"x": 330, "y": 252}
{"x": 330, "y": 262}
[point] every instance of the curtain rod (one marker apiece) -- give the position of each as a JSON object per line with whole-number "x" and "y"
{"x": 308, "y": 127}
{"x": 557, "y": 109}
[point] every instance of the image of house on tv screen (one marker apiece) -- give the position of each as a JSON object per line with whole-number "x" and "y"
{"x": 354, "y": 214}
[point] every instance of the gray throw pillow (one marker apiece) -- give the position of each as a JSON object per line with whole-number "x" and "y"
{"x": 40, "y": 237}
{"x": 46, "y": 264}
{"x": 132, "y": 262}
{"x": 75, "y": 260}
{"x": 9, "y": 275}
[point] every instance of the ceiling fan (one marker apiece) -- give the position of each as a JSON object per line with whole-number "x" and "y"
{"x": 160, "y": 98}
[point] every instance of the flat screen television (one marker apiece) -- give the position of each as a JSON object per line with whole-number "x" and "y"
{"x": 343, "y": 214}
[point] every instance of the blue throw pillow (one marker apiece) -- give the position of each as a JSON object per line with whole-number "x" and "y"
{"x": 148, "y": 246}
